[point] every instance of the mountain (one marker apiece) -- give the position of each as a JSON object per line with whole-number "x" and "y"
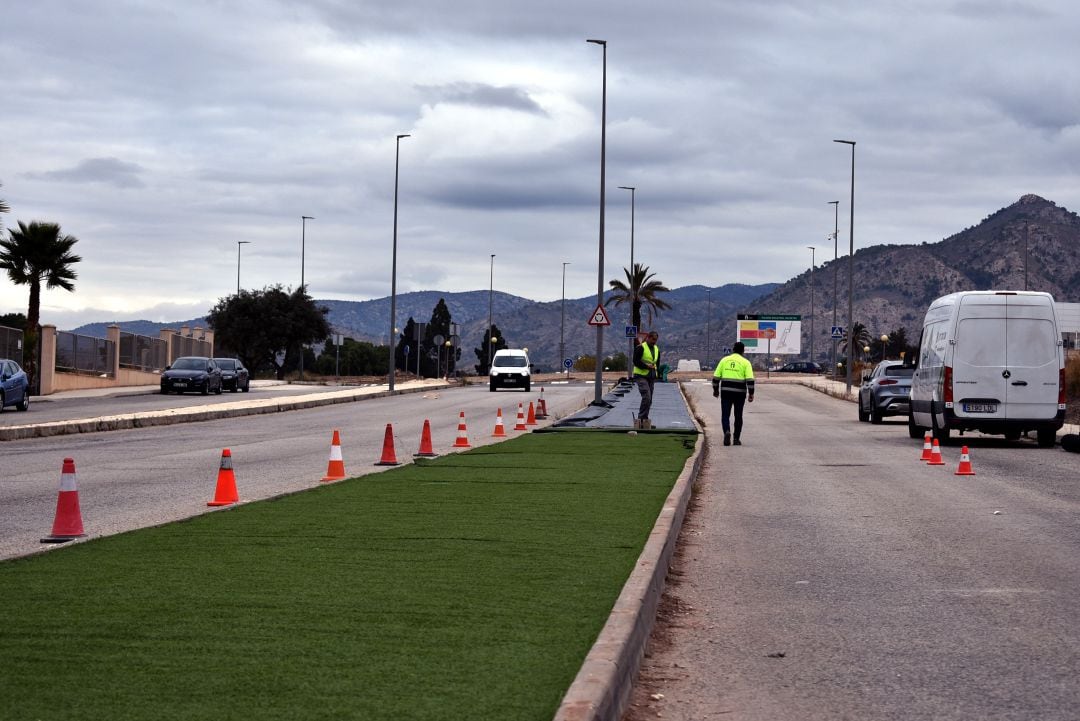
{"x": 526, "y": 323}
{"x": 1032, "y": 240}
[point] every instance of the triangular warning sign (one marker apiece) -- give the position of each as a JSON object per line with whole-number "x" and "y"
{"x": 599, "y": 316}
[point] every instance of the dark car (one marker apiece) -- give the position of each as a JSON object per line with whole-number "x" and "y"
{"x": 885, "y": 391}
{"x": 14, "y": 386}
{"x": 234, "y": 376}
{"x": 800, "y": 367}
{"x": 191, "y": 374}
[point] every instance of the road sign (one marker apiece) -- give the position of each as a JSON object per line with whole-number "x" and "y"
{"x": 837, "y": 332}
{"x": 631, "y": 331}
{"x": 568, "y": 363}
{"x": 599, "y": 317}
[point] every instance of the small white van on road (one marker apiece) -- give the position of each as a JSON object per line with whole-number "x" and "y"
{"x": 989, "y": 361}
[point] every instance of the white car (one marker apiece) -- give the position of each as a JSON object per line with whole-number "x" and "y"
{"x": 510, "y": 368}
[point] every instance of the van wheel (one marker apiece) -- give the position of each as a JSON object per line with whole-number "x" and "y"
{"x": 1047, "y": 437}
{"x": 1012, "y": 435}
{"x": 940, "y": 434}
{"x": 913, "y": 430}
{"x": 492, "y": 386}
{"x": 527, "y": 385}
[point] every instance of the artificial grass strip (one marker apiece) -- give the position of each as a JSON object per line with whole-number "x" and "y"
{"x": 467, "y": 587}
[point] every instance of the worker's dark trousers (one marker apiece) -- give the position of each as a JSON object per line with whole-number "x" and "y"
{"x": 645, "y": 388}
{"x": 729, "y": 401}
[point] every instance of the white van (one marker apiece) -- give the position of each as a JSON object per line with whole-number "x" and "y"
{"x": 989, "y": 361}
{"x": 510, "y": 368}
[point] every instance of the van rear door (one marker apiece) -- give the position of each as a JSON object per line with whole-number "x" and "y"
{"x": 1031, "y": 362}
{"x": 979, "y": 389}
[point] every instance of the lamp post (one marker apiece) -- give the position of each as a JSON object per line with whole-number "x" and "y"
{"x": 630, "y": 358}
{"x": 835, "y": 235}
{"x": 884, "y": 342}
{"x": 562, "y": 326}
{"x": 599, "y": 375}
{"x": 812, "y": 248}
{"x": 393, "y": 264}
{"x": 491, "y": 289}
{"x": 851, "y": 259}
{"x": 303, "y": 241}
{"x": 238, "y": 244}
{"x": 1027, "y": 242}
{"x": 708, "y": 327}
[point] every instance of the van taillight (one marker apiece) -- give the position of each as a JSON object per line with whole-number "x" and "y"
{"x": 1061, "y": 388}
{"x": 947, "y": 386}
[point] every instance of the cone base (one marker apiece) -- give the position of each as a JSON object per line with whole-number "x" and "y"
{"x": 964, "y": 473}
{"x": 935, "y": 463}
{"x": 425, "y": 455}
{"x": 387, "y": 463}
{"x": 330, "y": 479}
{"x": 462, "y": 445}
{"x": 62, "y": 539}
{"x": 220, "y": 503}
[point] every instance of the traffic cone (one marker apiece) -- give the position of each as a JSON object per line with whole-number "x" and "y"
{"x": 500, "y": 431}
{"x": 67, "y": 525}
{"x": 389, "y": 458}
{"x": 520, "y": 419}
{"x": 541, "y": 407}
{"x": 335, "y": 469}
{"x": 426, "y": 451}
{"x": 225, "y": 494}
{"x": 965, "y": 469}
{"x": 531, "y": 421}
{"x": 462, "y": 433}
{"x": 935, "y": 455}
{"x": 927, "y": 447}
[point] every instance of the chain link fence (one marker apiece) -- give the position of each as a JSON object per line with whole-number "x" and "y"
{"x": 186, "y": 345}
{"x": 84, "y": 354}
{"x": 11, "y": 344}
{"x": 142, "y": 352}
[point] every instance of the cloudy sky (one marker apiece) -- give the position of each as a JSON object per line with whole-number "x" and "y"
{"x": 162, "y": 133}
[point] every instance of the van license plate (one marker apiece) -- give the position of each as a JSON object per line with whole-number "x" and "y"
{"x": 980, "y": 408}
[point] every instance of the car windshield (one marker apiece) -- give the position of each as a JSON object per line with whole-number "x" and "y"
{"x": 511, "y": 361}
{"x": 899, "y": 372}
{"x": 225, "y": 364}
{"x": 189, "y": 364}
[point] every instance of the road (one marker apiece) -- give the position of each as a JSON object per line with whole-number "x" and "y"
{"x": 135, "y": 478}
{"x": 825, "y": 573}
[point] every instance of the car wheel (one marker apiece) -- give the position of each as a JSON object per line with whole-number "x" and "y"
{"x": 220, "y": 388}
{"x": 1047, "y": 437}
{"x": 492, "y": 385}
{"x": 2, "y": 402}
{"x": 876, "y": 415}
{"x": 913, "y": 430}
{"x": 863, "y": 416}
{"x": 206, "y": 388}
{"x": 247, "y": 386}
{"x": 24, "y": 404}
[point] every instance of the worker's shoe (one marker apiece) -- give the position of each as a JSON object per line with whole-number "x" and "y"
{"x": 727, "y": 439}
{"x": 646, "y": 424}
{"x": 737, "y": 442}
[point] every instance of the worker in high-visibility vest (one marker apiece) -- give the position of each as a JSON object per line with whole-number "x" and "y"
{"x": 733, "y": 382}
{"x": 646, "y": 361}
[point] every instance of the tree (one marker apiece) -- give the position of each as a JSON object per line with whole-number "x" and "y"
{"x": 35, "y": 254}
{"x": 429, "y": 349}
{"x": 406, "y": 340}
{"x": 862, "y": 339}
{"x": 639, "y": 290}
{"x": 482, "y": 351}
{"x": 4, "y": 207}
{"x": 268, "y": 327}
{"x": 13, "y": 320}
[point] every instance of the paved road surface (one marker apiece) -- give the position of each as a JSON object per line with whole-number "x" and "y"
{"x": 825, "y": 573}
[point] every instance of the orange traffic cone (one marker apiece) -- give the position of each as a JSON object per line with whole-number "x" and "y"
{"x": 462, "y": 433}
{"x": 520, "y": 419}
{"x": 225, "y": 494}
{"x": 426, "y": 451}
{"x": 500, "y": 431}
{"x": 389, "y": 458}
{"x": 927, "y": 448}
{"x": 965, "y": 469}
{"x": 67, "y": 525}
{"x": 532, "y": 415}
{"x": 335, "y": 469}
{"x": 935, "y": 455}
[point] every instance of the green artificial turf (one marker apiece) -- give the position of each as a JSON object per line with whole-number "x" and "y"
{"x": 468, "y": 587}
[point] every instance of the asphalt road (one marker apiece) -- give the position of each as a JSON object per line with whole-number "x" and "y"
{"x": 825, "y": 573}
{"x": 135, "y": 478}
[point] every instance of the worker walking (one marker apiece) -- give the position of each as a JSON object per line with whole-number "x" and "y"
{"x": 733, "y": 382}
{"x": 646, "y": 361}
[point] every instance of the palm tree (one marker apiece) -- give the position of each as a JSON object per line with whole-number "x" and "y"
{"x": 639, "y": 290}
{"x": 4, "y": 207}
{"x": 35, "y": 254}
{"x": 861, "y": 335}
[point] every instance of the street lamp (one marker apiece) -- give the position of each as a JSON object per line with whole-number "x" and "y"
{"x": 708, "y": 327}
{"x": 393, "y": 264}
{"x": 884, "y": 341}
{"x": 491, "y": 289}
{"x": 562, "y": 327}
{"x": 835, "y": 235}
{"x": 238, "y": 244}
{"x": 303, "y": 239}
{"x": 630, "y": 358}
{"x": 811, "y": 302}
{"x": 599, "y": 376}
{"x": 851, "y": 257}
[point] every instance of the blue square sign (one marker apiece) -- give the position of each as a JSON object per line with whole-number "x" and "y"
{"x": 631, "y": 331}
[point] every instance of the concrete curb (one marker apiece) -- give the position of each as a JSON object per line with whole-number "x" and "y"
{"x": 200, "y": 413}
{"x": 601, "y": 690}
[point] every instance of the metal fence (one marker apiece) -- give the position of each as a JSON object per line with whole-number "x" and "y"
{"x": 84, "y": 354}
{"x": 142, "y": 352}
{"x": 11, "y": 344}
{"x": 186, "y": 345}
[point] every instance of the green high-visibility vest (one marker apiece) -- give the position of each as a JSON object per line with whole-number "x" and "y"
{"x": 649, "y": 354}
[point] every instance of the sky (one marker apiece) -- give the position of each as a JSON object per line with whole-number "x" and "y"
{"x": 164, "y": 134}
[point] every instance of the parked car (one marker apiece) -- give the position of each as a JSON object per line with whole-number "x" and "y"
{"x": 800, "y": 367}
{"x": 234, "y": 376}
{"x": 191, "y": 373}
{"x": 14, "y": 386}
{"x": 510, "y": 368}
{"x": 885, "y": 391}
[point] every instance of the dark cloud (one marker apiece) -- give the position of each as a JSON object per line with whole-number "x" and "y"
{"x": 110, "y": 171}
{"x": 482, "y": 95}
